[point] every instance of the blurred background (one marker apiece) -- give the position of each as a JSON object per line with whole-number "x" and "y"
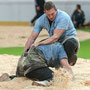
{"x": 22, "y": 11}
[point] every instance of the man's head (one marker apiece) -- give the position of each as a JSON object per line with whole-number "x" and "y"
{"x": 50, "y": 10}
{"x": 78, "y": 6}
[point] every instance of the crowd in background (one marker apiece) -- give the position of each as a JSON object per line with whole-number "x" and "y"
{"x": 78, "y": 16}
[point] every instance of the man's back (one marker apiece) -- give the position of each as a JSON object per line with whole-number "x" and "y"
{"x": 52, "y": 53}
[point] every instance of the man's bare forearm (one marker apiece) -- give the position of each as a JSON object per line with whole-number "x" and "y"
{"x": 49, "y": 40}
{"x": 28, "y": 44}
{"x": 52, "y": 39}
{"x": 31, "y": 40}
{"x": 65, "y": 64}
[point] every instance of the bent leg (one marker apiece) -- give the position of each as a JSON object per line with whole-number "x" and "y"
{"x": 41, "y": 74}
{"x": 71, "y": 47}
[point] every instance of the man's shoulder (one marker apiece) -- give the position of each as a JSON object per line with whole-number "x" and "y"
{"x": 62, "y": 14}
{"x": 41, "y": 19}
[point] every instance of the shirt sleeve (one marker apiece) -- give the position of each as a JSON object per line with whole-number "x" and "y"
{"x": 37, "y": 27}
{"x": 63, "y": 23}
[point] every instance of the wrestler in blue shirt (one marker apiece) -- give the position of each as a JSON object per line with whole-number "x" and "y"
{"x": 62, "y": 21}
{"x": 61, "y": 37}
{"x": 53, "y": 53}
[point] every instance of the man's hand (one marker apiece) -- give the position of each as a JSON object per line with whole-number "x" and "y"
{"x": 74, "y": 22}
{"x": 36, "y": 44}
{"x": 65, "y": 64}
{"x": 25, "y": 52}
{"x": 38, "y": 8}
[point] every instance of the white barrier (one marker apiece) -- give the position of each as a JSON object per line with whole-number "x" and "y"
{"x": 24, "y": 10}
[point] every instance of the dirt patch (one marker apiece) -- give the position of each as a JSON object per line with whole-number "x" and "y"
{"x": 62, "y": 80}
{"x": 87, "y": 83}
{"x": 11, "y": 36}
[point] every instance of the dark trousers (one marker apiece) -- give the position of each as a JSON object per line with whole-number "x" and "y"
{"x": 41, "y": 74}
{"x": 79, "y": 23}
{"x": 71, "y": 47}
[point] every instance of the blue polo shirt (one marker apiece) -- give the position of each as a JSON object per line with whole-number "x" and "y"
{"x": 62, "y": 21}
{"x": 53, "y": 53}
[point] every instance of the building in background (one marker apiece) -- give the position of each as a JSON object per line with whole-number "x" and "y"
{"x": 24, "y": 10}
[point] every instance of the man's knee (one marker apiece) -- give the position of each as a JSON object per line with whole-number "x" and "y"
{"x": 40, "y": 74}
{"x": 71, "y": 47}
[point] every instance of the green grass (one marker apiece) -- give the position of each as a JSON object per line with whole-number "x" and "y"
{"x": 84, "y": 29}
{"x": 84, "y": 51}
{"x": 12, "y": 50}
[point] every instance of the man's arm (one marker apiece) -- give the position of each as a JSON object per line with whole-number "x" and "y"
{"x": 31, "y": 40}
{"x": 65, "y": 64}
{"x": 37, "y": 5}
{"x": 57, "y": 34}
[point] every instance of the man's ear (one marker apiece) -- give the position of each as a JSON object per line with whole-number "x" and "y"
{"x": 56, "y": 9}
